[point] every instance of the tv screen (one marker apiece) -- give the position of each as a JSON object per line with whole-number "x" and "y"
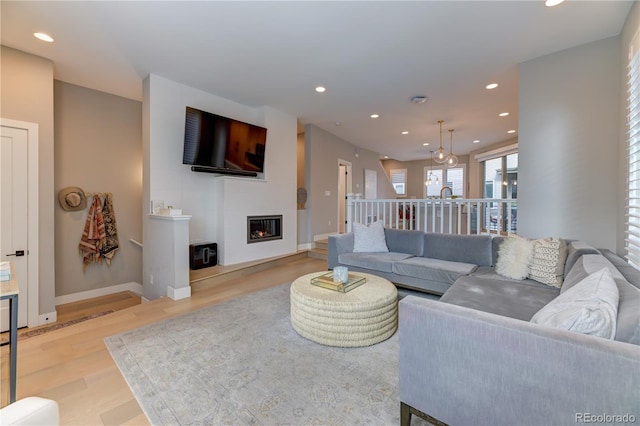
{"x": 222, "y": 143}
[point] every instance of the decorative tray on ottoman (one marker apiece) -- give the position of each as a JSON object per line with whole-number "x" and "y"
{"x": 326, "y": 281}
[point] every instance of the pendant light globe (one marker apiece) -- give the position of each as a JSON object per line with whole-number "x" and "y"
{"x": 441, "y": 155}
{"x": 452, "y": 159}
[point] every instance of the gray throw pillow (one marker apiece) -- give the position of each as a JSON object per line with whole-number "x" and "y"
{"x": 369, "y": 239}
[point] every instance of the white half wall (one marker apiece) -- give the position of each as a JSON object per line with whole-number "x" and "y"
{"x": 569, "y": 115}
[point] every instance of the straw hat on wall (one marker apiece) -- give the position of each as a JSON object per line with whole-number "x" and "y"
{"x": 72, "y": 199}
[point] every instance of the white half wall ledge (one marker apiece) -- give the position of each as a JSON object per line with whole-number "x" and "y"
{"x": 179, "y": 293}
{"x": 89, "y": 294}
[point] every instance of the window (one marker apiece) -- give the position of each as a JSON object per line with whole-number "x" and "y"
{"x": 453, "y": 178}
{"x": 500, "y": 182}
{"x": 632, "y": 240}
{"x": 501, "y": 177}
{"x": 399, "y": 181}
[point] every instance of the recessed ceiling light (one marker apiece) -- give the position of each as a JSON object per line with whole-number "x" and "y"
{"x": 337, "y": 123}
{"x": 374, "y": 116}
{"x": 425, "y": 144}
{"x": 43, "y": 37}
{"x": 503, "y": 114}
{"x": 551, "y": 3}
{"x": 320, "y": 89}
{"x": 405, "y": 133}
{"x": 491, "y": 86}
{"x": 511, "y": 131}
{"x": 386, "y": 156}
{"x": 476, "y": 141}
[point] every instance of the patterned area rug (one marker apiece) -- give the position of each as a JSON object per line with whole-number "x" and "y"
{"x": 4, "y": 339}
{"x": 241, "y": 362}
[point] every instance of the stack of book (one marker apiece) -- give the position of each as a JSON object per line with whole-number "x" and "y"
{"x": 326, "y": 281}
{"x": 5, "y": 271}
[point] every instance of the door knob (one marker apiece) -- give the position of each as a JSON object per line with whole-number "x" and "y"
{"x": 17, "y": 253}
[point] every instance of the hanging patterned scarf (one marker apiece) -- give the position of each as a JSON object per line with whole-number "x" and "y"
{"x": 110, "y": 245}
{"x": 93, "y": 236}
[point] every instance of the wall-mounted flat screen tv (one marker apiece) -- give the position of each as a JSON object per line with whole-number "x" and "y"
{"x": 222, "y": 145}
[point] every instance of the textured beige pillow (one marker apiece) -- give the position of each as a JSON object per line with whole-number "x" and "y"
{"x": 514, "y": 256}
{"x": 547, "y": 262}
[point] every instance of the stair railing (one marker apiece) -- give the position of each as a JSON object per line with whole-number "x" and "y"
{"x": 450, "y": 216}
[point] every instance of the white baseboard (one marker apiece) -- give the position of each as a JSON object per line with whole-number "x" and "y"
{"x": 47, "y": 318}
{"x": 83, "y": 295}
{"x": 179, "y": 293}
{"x": 306, "y": 246}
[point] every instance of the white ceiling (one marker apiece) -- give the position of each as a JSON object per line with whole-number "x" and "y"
{"x": 372, "y": 56}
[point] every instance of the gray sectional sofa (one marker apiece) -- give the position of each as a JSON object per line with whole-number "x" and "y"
{"x": 474, "y": 357}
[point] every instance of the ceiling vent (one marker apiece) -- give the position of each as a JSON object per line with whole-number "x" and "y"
{"x": 419, "y": 99}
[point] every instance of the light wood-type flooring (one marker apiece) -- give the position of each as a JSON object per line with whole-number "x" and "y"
{"x": 73, "y": 366}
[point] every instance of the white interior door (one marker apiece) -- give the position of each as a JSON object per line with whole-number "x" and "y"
{"x": 14, "y": 229}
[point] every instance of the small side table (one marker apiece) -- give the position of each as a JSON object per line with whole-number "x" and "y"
{"x": 9, "y": 291}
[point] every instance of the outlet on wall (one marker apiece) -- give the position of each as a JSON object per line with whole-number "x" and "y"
{"x": 151, "y": 279}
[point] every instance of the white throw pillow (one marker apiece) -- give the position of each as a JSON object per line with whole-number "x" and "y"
{"x": 514, "y": 255}
{"x": 589, "y": 307}
{"x": 369, "y": 239}
{"x": 547, "y": 263}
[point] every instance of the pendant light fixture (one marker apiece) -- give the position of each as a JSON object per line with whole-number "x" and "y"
{"x": 441, "y": 155}
{"x": 452, "y": 159}
{"x": 432, "y": 179}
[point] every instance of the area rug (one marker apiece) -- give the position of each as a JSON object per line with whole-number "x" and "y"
{"x": 241, "y": 363}
{"x": 52, "y": 327}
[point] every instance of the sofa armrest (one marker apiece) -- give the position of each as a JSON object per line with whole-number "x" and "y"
{"x": 463, "y": 366}
{"x": 31, "y": 411}
{"x": 339, "y": 244}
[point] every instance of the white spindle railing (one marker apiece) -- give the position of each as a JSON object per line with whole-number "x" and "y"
{"x": 450, "y": 216}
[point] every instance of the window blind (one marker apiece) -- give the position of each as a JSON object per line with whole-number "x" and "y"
{"x": 632, "y": 239}
{"x": 399, "y": 180}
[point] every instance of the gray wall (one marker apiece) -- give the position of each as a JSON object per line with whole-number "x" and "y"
{"x": 98, "y": 148}
{"x": 322, "y": 152}
{"x": 569, "y": 115}
{"x": 27, "y": 95}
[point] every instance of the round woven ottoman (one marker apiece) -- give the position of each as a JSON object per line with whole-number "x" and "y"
{"x": 363, "y": 316}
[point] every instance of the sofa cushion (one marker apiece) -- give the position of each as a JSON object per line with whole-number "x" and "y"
{"x": 575, "y": 250}
{"x": 433, "y": 269}
{"x": 628, "y": 320}
{"x": 631, "y": 274}
{"x": 495, "y": 246}
{"x": 369, "y": 239}
{"x": 490, "y": 292}
{"x": 405, "y": 241}
{"x": 586, "y": 265}
{"x": 589, "y": 307}
{"x": 473, "y": 249}
{"x": 373, "y": 261}
{"x": 547, "y": 263}
{"x": 514, "y": 256}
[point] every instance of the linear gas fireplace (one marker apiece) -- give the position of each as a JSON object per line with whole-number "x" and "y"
{"x": 264, "y": 228}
